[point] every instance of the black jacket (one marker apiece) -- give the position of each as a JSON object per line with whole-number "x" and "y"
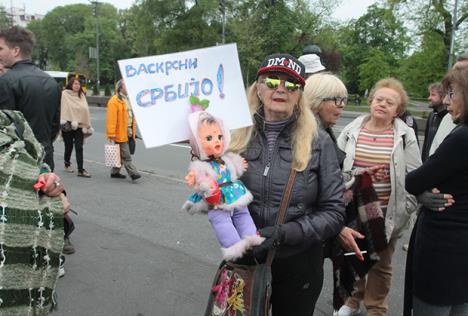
{"x": 316, "y": 210}
{"x": 440, "y": 260}
{"x": 28, "y": 89}
{"x": 432, "y": 125}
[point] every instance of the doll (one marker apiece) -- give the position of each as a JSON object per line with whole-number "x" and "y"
{"x": 218, "y": 191}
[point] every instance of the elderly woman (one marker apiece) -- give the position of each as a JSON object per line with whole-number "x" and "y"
{"x": 285, "y": 136}
{"x": 75, "y": 124}
{"x": 440, "y": 259}
{"x": 381, "y": 139}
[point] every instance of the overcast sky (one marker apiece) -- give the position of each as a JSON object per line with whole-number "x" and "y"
{"x": 348, "y": 9}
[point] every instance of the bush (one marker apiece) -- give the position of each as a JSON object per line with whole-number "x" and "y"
{"x": 107, "y": 91}
{"x": 95, "y": 90}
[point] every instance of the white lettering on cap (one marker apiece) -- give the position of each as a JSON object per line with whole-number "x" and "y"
{"x": 285, "y": 63}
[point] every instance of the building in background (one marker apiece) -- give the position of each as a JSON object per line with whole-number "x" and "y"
{"x": 20, "y": 17}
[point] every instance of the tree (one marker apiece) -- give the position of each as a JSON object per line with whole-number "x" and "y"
{"x": 377, "y": 30}
{"x": 435, "y": 16}
{"x": 67, "y": 32}
{"x": 4, "y": 20}
{"x": 425, "y": 66}
{"x": 375, "y": 67}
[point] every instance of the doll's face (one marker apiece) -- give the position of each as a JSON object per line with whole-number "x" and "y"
{"x": 211, "y": 139}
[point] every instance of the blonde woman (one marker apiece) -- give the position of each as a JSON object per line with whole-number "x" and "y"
{"x": 382, "y": 140}
{"x": 285, "y": 136}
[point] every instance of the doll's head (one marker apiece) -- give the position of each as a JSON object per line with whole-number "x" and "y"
{"x": 208, "y": 136}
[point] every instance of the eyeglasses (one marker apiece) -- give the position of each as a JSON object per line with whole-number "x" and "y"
{"x": 451, "y": 94}
{"x": 274, "y": 83}
{"x": 339, "y": 101}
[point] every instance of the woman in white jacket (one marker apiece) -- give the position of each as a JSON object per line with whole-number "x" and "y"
{"x": 382, "y": 139}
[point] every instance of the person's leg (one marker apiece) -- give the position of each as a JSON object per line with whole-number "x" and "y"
{"x": 244, "y": 222}
{"x": 79, "y": 148}
{"x": 421, "y": 308}
{"x": 68, "y": 141}
{"x": 115, "y": 171}
{"x": 358, "y": 294}
{"x": 223, "y": 227}
{"x": 127, "y": 161}
{"x": 379, "y": 280}
{"x": 297, "y": 283}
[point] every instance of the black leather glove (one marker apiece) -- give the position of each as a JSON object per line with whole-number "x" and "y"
{"x": 274, "y": 236}
{"x": 432, "y": 201}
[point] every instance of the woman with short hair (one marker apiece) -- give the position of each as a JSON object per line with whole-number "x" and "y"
{"x": 381, "y": 139}
{"x": 440, "y": 252}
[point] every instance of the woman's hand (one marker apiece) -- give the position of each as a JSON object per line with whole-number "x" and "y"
{"x": 435, "y": 201}
{"x": 347, "y": 240}
{"x": 190, "y": 179}
{"x": 245, "y": 165}
{"x": 52, "y": 184}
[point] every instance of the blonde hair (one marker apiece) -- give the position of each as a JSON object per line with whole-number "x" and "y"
{"x": 397, "y": 86}
{"x": 322, "y": 85}
{"x": 303, "y": 134}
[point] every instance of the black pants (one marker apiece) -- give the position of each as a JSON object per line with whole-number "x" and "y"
{"x": 49, "y": 154}
{"x": 73, "y": 138}
{"x": 297, "y": 282}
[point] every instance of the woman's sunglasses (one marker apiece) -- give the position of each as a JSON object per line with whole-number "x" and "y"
{"x": 274, "y": 83}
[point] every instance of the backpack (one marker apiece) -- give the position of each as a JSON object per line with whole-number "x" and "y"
{"x": 31, "y": 224}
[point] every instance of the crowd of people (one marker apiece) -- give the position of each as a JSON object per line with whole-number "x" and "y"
{"x": 353, "y": 194}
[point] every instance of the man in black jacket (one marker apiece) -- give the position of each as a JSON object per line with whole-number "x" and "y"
{"x": 436, "y": 96}
{"x": 28, "y": 89}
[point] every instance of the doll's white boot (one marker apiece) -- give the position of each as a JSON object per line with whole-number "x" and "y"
{"x": 235, "y": 251}
{"x": 254, "y": 240}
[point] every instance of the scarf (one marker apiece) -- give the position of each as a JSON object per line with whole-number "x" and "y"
{"x": 75, "y": 109}
{"x": 364, "y": 215}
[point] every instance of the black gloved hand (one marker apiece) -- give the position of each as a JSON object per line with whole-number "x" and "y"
{"x": 432, "y": 201}
{"x": 274, "y": 236}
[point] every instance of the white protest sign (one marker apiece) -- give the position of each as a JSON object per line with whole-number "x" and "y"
{"x": 159, "y": 88}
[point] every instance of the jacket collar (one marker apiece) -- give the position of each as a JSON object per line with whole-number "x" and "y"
{"x": 259, "y": 118}
{"x": 22, "y": 62}
{"x": 399, "y": 126}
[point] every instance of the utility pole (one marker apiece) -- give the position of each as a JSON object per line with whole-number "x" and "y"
{"x": 452, "y": 40}
{"x": 96, "y": 15}
{"x": 223, "y": 34}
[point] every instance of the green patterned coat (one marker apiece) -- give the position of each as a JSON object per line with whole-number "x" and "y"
{"x": 31, "y": 225}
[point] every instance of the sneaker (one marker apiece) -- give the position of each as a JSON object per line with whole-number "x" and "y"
{"x": 61, "y": 271}
{"x": 118, "y": 176}
{"x": 83, "y": 173}
{"x": 135, "y": 176}
{"x": 345, "y": 310}
{"x": 69, "y": 169}
{"x": 68, "y": 248}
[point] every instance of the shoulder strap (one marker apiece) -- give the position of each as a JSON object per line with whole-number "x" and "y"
{"x": 282, "y": 210}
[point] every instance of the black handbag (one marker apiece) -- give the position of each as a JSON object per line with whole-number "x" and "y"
{"x": 245, "y": 289}
{"x": 66, "y": 127}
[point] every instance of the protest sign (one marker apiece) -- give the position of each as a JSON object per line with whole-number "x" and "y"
{"x": 159, "y": 88}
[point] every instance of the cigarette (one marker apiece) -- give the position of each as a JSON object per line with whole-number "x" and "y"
{"x": 353, "y": 253}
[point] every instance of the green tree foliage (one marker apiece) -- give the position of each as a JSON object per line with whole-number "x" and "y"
{"x": 375, "y": 67}
{"x": 436, "y": 16}
{"x": 376, "y": 36}
{"x": 4, "y": 20}
{"x": 67, "y": 32}
{"x": 425, "y": 66}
